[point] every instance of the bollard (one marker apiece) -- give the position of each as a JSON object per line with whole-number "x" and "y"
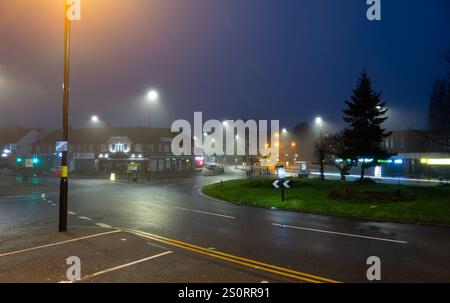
{"x": 112, "y": 177}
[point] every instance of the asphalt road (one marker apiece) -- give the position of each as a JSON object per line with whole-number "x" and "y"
{"x": 322, "y": 246}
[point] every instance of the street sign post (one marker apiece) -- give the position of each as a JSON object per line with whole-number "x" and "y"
{"x": 282, "y": 184}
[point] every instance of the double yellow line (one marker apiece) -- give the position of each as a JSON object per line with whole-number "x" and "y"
{"x": 297, "y": 275}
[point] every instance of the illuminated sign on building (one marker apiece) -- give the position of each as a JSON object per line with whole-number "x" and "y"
{"x": 435, "y": 161}
{"x": 119, "y": 145}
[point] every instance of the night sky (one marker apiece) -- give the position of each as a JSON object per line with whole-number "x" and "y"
{"x": 266, "y": 59}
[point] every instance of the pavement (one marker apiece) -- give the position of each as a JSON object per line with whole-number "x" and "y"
{"x": 166, "y": 231}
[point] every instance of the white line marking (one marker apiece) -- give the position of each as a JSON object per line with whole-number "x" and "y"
{"x": 121, "y": 266}
{"x": 71, "y": 213}
{"x": 205, "y": 213}
{"x": 49, "y": 201}
{"x": 85, "y": 218}
{"x": 53, "y": 204}
{"x": 338, "y": 233}
{"x": 103, "y": 225}
{"x": 59, "y": 243}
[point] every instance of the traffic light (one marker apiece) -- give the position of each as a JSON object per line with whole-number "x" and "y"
{"x": 19, "y": 161}
{"x": 36, "y": 161}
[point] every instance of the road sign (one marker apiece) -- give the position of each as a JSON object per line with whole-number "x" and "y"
{"x": 29, "y": 163}
{"x": 281, "y": 183}
{"x": 61, "y": 146}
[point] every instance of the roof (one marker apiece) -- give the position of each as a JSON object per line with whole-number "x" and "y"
{"x": 11, "y": 134}
{"x": 138, "y": 135}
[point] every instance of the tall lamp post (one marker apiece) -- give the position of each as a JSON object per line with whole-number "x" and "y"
{"x": 152, "y": 97}
{"x": 319, "y": 123}
{"x": 72, "y": 12}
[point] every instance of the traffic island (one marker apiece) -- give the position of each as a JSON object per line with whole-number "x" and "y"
{"x": 381, "y": 202}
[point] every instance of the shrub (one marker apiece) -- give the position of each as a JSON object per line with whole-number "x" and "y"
{"x": 349, "y": 195}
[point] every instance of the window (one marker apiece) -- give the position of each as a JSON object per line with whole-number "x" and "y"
{"x": 138, "y": 148}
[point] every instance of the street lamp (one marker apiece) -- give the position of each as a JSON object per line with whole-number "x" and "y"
{"x": 152, "y": 97}
{"x": 95, "y": 119}
{"x": 319, "y": 121}
{"x": 72, "y": 12}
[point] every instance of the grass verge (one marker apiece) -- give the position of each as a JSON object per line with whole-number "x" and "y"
{"x": 385, "y": 202}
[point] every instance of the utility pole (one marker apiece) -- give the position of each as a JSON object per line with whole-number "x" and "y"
{"x": 72, "y": 12}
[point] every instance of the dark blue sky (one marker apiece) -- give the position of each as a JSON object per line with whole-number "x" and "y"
{"x": 289, "y": 60}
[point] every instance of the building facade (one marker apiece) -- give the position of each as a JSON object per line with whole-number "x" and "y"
{"x": 124, "y": 151}
{"x": 417, "y": 155}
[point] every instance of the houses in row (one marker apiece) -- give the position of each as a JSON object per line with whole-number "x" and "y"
{"x": 122, "y": 150}
{"x": 144, "y": 150}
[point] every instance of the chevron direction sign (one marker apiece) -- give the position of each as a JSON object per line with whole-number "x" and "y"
{"x": 281, "y": 184}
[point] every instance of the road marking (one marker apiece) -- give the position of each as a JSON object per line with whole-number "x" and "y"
{"x": 236, "y": 259}
{"x": 205, "y": 213}
{"x": 121, "y": 266}
{"x": 72, "y": 213}
{"x": 85, "y": 218}
{"x": 58, "y": 243}
{"x": 338, "y": 233}
{"x": 103, "y": 225}
{"x": 53, "y": 204}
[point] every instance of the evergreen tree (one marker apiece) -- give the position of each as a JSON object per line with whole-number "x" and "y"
{"x": 363, "y": 137}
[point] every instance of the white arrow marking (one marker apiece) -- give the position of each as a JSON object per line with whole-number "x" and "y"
{"x": 275, "y": 184}
{"x": 286, "y": 184}
{"x": 85, "y": 218}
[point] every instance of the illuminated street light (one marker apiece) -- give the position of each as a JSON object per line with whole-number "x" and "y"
{"x": 284, "y": 131}
{"x": 95, "y": 119}
{"x": 152, "y": 95}
{"x": 319, "y": 121}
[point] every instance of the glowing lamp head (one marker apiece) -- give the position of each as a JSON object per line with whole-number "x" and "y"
{"x": 319, "y": 121}
{"x": 152, "y": 96}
